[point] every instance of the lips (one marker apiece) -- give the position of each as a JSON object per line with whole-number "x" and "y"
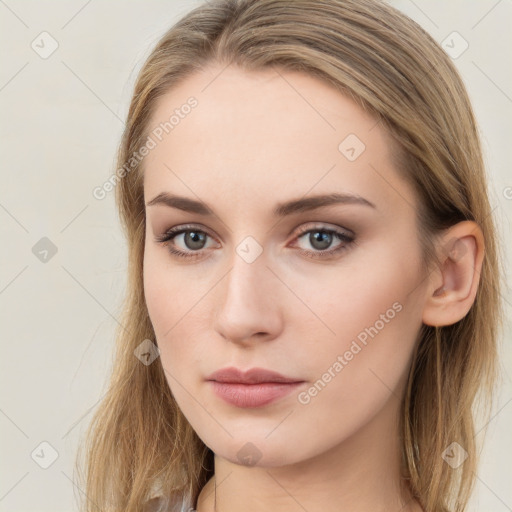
{"x": 254, "y": 388}
{"x": 252, "y": 376}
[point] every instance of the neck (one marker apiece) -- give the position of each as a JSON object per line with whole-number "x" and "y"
{"x": 361, "y": 473}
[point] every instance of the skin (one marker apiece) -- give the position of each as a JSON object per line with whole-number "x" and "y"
{"x": 254, "y": 140}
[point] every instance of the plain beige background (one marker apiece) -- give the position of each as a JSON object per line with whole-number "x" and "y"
{"x": 62, "y": 117}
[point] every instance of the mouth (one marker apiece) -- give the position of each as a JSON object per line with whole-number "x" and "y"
{"x": 254, "y": 388}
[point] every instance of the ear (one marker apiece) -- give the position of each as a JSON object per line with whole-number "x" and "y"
{"x": 452, "y": 287}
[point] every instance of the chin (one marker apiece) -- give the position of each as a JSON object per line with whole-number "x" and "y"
{"x": 256, "y": 451}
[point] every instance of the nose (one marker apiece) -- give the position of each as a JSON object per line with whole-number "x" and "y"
{"x": 248, "y": 306}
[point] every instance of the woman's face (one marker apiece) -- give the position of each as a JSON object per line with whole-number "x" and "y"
{"x": 329, "y": 296}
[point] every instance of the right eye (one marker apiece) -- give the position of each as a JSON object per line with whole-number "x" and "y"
{"x": 193, "y": 240}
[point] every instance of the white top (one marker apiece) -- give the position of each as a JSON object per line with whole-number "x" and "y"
{"x": 165, "y": 504}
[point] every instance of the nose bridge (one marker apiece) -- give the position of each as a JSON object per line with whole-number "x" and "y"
{"x": 248, "y": 302}
{"x": 249, "y": 273}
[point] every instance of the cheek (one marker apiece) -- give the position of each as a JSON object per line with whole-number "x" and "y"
{"x": 167, "y": 291}
{"x": 341, "y": 303}
{"x": 177, "y": 314}
{"x": 368, "y": 297}
{"x": 164, "y": 295}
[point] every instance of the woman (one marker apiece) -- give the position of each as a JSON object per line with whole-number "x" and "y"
{"x": 313, "y": 300}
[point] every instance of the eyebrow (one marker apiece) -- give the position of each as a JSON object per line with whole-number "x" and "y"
{"x": 281, "y": 210}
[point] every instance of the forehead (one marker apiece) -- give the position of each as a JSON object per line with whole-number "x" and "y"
{"x": 266, "y": 134}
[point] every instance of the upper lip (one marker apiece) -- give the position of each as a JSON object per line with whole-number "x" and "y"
{"x": 251, "y": 376}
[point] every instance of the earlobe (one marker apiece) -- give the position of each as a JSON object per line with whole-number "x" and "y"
{"x": 452, "y": 287}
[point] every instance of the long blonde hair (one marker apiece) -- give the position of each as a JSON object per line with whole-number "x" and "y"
{"x": 139, "y": 439}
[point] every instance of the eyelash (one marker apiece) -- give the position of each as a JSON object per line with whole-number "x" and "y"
{"x": 167, "y": 238}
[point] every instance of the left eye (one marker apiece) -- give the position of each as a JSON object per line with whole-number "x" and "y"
{"x": 194, "y": 240}
{"x": 321, "y": 238}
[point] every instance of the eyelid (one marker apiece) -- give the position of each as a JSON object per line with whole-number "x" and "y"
{"x": 326, "y": 226}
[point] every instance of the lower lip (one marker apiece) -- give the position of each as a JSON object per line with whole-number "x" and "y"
{"x": 253, "y": 395}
